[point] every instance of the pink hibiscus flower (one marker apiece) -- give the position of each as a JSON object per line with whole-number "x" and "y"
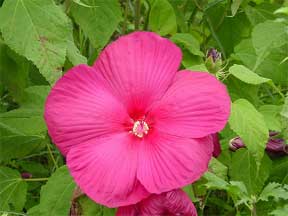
{"x": 171, "y": 203}
{"x": 132, "y": 125}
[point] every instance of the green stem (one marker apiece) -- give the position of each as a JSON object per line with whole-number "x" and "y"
{"x": 124, "y": 27}
{"x": 35, "y": 179}
{"x": 204, "y": 203}
{"x": 52, "y": 156}
{"x": 198, "y": 5}
{"x": 137, "y": 14}
{"x": 214, "y": 35}
{"x": 277, "y": 90}
{"x": 253, "y": 210}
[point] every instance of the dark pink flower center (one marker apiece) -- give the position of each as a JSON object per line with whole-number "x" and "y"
{"x": 140, "y": 128}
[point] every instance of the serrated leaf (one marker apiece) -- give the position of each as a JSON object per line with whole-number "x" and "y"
{"x": 282, "y": 10}
{"x": 189, "y": 42}
{"x": 34, "y": 211}
{"x": 246, "y": 75}
{"x": 56, "y": 195}
{"x": 218, "y": 168}
{"x": 24, "y": 129}
{"x": 274, "y": 190}
{"x": 89, "y": 207}
{"x": 215, "y": 182}
{"x": 17, "y": 146}
{"x": 267, "y": 36}
{"x": 249, "y": 124}
{"x": 270, "y": 67}
{"x": 236, "y": 190}
{"x": 73, "y": 53}
{"x": 280, "y": 211}
{"x": 12, "y": 190}
{"x": 271, "y": 114}
{"x": 98, "y": 21}
{"x": 162, "y": 18}
{"x": 260, "y": 13}
{"x": 279, "y": 170}
{"x": 235, "y": 6}
{"x": 14, "y": 71}
{"x": 239, "y": 193}
{"x": 244, "y": 168}
{"x": 38, "y": 30}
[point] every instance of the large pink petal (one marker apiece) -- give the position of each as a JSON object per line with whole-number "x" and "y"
{"x": 167, "y": 162}
{"x": 139, "y": 67}
{"x": 171, "y": 203}
{"x": 105, "y": 170}
{"x": 79, "y": 109}
{"x": 195, "y": 105}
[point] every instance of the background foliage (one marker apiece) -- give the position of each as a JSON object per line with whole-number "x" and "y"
{"x": 41, "y": 39}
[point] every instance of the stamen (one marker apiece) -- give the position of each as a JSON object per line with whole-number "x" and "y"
{"x": 140, "y": 128}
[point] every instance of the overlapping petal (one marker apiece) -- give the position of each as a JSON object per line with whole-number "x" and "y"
{"x": 195, "y": 105}
{"x": 79, "y": 109}
{"x": 106, "y": 169}
{"x": 139, "y": 68}
{"x": 167, "y": 162}
{"x": 171, "y": 203}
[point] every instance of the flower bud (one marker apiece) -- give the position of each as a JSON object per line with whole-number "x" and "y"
{"x": 274, "y": 146}
{"x": 26, "y": 175}
{"x": 213, "y": 60}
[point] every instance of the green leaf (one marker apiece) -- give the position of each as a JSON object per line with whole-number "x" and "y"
{"x": 279, "y": 170}
{"x": 12, "y": 190}
{"x": 282, "y": 10}
{"x": 98, "y": 21}
{"x": 38, "y": 30}
{"x": 17, "y": 146}
{"x": 236, "y": 190}
{"x": 284, "y": 114}
{"x": 235, "y": 6}
{"x": 275, "y": 190}
{"x": 260, "y": 13}
{"x": 215, "y": 182}
{"x": 267, "y": 36}
{"x": 24, "y": 129}
{"x": 272, "y": 118}
{"x": 241, "y": 90}
{"x": 162, "y": 18}
{"x": 34, "y": 211}
{"x": 245, "y": 52}
{"x": 189, "y": 42}
{"x": 14, "y": 71}
{"x": 56, "y": 195}
{"x": 249, "y": 124}
{"x": 73, "y": 53}
{"x": 218, "y": 168}
{"x": 246, "y": 75}
{"x": 244, "y": 168}
{"x": 280, "y": 211}
{"x": 89, "y": 207}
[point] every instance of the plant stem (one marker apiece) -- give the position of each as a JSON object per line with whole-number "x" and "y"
{"x": 214, "y": 35}
{"x": 35, "y": 179}
{"x": 253, "y": 211}
{"x": 137, "y": 14}
{"x": 277, "y": 90}
{"x": 124, "y": 27}
{"x": 51, "y": 156}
